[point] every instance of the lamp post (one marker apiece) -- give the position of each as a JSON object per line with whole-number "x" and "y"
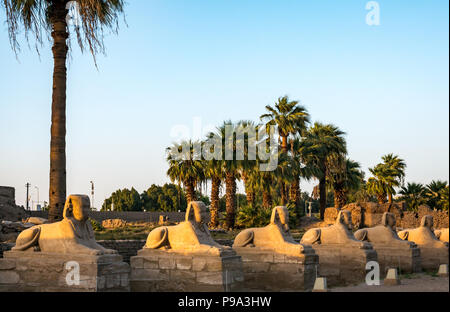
{"x": 92, "y": 195}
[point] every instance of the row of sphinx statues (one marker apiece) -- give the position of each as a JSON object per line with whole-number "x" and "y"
{"x": 74, "y": 234}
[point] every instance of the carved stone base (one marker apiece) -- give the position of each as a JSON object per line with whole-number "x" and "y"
{"x": 404, "y": 259}
{"x": 165, "y": 270}
{"x": 47, "y": 272}
{"x": 343, "y": 265}
{"x": 432, "y": 258}
{"x": 266, "y": 270}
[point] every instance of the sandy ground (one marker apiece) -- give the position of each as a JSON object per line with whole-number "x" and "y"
{"x": 417, "y": 283}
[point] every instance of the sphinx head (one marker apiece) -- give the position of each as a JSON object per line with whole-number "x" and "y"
{"x": 77, "y": 207}
{"x": 196, "y": 212}
{"x": 388, "y": 220}
{"x": 345, "y": 218}
{"x": 280, "y": 217}
{"x": 427, "y": 221}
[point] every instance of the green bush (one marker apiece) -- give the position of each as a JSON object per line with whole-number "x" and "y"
{"x": 248, "y": 216}
{"x": 96, "y": 226}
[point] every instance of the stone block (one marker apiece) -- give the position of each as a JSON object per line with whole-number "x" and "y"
{"x": 343, "y": 265}
{"x": 267, "y": 270}
{"x": 443, "y": 270}
{"x": 432, "y": 258}
{"x": 185, "y": 272}
{"x": 320, "y": 285}
{"x": 43, "y": 272}
{"x": 405, "y": 260}
{"x": 392, "y": 278}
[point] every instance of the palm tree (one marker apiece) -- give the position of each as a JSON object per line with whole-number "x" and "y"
{"x": 433, "y": 192}
{"x": 231, "y": 168}
{"x": 344, "y": 175}
{"x": 290, "y": 119}
{"x": 47, "y": 18}
{"x": 214, "y": 171}
{"x": 186, "y": 166}
{"x": 381, "y": 182}
{"x": 443, "y": 202}
{"x": 322, "y": 142}
{"x": 413, "y": 194}
{"x": 386, "y": 176}
{"x": 301, "y": 169}
{"x": 397, "y": 168}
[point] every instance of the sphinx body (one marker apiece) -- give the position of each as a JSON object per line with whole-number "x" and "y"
{"x": 273, "y": 260}
{"x": 339, "y": 233}
{"x": 189, "y": 258}
{"x": 342, "y": 258}
{"x": 72, "y": 235}
{"x": 275, "y": 236}
{"x": 433, "y": 252}
{"x": 392, "y": 252}
{"x": 384, "y": 233}
{"x": 423, "y": 235}
{"x": 442, "y": 234}
{"x": 192, "y": 235}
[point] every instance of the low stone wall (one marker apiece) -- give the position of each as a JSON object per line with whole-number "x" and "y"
{"x": 161, "y": 270}
{"x": 126, "y": 248}
{"x": 370, "y": 214}
{"x": 49, "y": 272}
{"x": 128, "y": 216}
{"x": 7, "y": 195}
{"x": 266, "y": 270}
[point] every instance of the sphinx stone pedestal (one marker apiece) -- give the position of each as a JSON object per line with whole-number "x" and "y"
{"x": 343, "y": 265}
{"x": 47, "y": 272}
{"x": 174, "y": 271}
{"x": 267, "y": 270}
{"x": 406, "y": 259}
{"x": 432, "y": 258}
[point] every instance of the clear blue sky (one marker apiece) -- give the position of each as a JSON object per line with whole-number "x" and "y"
{"x": 386, "y": 86}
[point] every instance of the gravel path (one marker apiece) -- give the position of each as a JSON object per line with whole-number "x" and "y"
{"x": 417, "y": 283}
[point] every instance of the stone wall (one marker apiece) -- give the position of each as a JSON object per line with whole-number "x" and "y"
{"x": 161, "y": 270}
{"x": 266, "y": 270}
{"x": 7, "y": 195}
{"x": 126, "y": 248}
{"x": 370, "y": 214}
{"x": 48, "y": 272}
{"x": 8, "y": 209}
{"x": 128, "y": 216}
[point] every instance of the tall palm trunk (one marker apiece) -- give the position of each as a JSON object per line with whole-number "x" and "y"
{"x": 250, "y": 195}
{"x": 283, "y": 186}
{"x": 284, "y": 143}
{"x": 267, "y": 199}
{"x": 215, "y": 189}
{"x": 230, "y": 184}
{"x": 190, "y": 190}
{"x": 340, "y": 198}
{"x": 57, "y": 189}
{"x": 283, "y": 193}
{"x": 322, "y": 197}
{"x": 294, "y": 192}
{"x": 390, "y": 198}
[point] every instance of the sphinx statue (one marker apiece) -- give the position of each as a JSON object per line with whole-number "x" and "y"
{"x": 275, "y": 236}
{"x": 72, "y": 235}
{"x": 339, "y": 233}
{"x": 442, "y": 234}
{"x": 423, "y": 235}
{"x": 384, "y": 233}
{"x": 192, "y": 235}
